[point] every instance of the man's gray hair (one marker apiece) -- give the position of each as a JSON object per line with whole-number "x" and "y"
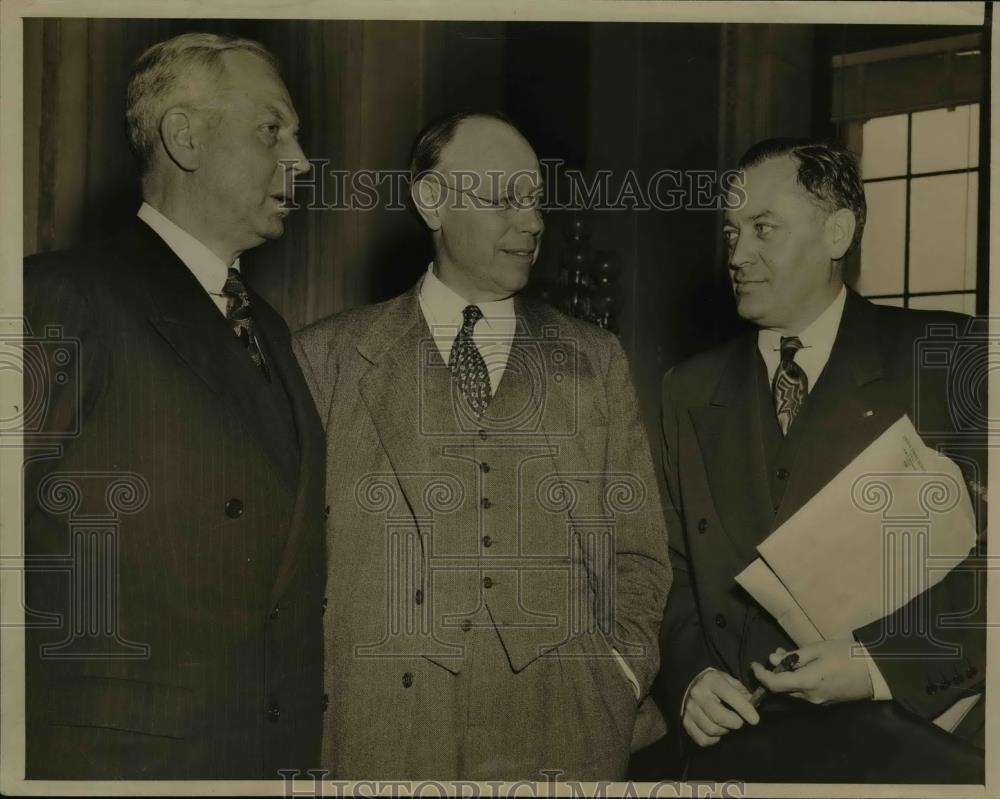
{"x": 160, "y": 73}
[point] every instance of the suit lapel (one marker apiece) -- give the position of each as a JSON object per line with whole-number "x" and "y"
{"x": 729, "y": 435}
{"x": 399, "y": 394}
{"x": 184, "y": 315}
{"x": 842, "y": 415}
{"x": 311, "y": 474}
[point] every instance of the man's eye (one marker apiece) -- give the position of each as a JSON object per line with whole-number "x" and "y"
{"x": 763, "y": 229}
{"x": 730, "y": 236}
{"x": 272, "y": 130}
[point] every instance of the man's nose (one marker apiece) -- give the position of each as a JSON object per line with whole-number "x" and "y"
{"x": 741, "y": 253}
{"x": 530, "y": 221}
{"x": 296, "y": 159}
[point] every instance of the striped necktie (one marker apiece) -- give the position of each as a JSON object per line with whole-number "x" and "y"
{"x": 240, "y": 315}
{"x": 790, "y": 386}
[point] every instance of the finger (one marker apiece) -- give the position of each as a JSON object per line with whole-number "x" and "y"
{"x": 722, "y": 715}
{"x": 704, "y": 723}
{"x": 809, "y": 653}
{"x": 782, "y": 683}
{"x": 735, "y": 694}
{"x": 776, "y": 656}
{"x": 696, "y": 734}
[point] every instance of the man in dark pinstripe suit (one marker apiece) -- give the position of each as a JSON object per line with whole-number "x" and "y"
{"x": 174, "y": 487}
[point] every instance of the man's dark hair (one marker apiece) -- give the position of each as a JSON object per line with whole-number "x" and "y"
{"x": 426, "y": 152}
{"x": 827, "y": 170}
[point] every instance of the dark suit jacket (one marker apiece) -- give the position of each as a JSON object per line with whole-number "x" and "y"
{"x": 164, "y": 462}
{"x": 720, "y": 496}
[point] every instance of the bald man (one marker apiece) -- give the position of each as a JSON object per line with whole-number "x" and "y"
{"x": 498, "y": 562}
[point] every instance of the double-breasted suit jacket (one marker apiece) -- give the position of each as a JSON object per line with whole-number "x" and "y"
{"x": 728, "y": 490}
{"x": 173, "y": 527}
{"x": 483, "y": 568}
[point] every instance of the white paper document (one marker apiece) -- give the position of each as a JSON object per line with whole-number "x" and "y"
{"x": 889, "y": 526}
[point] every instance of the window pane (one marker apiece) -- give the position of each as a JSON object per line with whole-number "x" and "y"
{"x": 896, "y": 302}
{"x": 883, "y": 239}
{"x": 963, "y": 303}
{"x": 883, "y": 147}
{"x": 943, "y": 232}
{"x": 946, "y": 139}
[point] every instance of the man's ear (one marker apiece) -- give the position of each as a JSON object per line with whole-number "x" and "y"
{"x": 840, "y": 227}
{"x": 178, "y": 132}
{"x": 426, "y": 196}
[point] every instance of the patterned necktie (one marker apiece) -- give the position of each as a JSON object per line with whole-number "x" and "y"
{"x": 240, "y": 316}
{"x": 790, "y": 386}
{"x": 468, "y": 369}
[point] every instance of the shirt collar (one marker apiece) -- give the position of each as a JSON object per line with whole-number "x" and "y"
{"x": 817, "y": 341}
{"x": 204, "y": 264}
{"x": 444, "y": 307}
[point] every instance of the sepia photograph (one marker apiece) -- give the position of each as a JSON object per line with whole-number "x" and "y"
{"x": 503, "y": 400}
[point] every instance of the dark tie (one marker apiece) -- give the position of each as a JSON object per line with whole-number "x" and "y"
{"x": 790, "y": 386}
{"x": 240, "y": 316}
{"x": 468, "y": 369}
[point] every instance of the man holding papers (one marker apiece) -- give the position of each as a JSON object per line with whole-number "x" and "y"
{"x": 754, "y": 430}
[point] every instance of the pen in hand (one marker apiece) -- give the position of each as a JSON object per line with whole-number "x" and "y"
{"x": 788, "y": 663}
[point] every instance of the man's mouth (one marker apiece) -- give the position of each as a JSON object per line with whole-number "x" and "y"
{"x": 521, "y": 253}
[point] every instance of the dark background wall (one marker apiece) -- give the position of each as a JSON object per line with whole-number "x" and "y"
{"x": 616, "y": 96}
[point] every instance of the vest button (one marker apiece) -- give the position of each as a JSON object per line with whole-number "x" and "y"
{"x": 720, "y": 621}
{"x": 781, "y": 473}
{"x": 466, "y": 625}
{"x": 408, "y": 679}
{"x": 325, "y": 600}
{"x": 486, "y": 503}
{"x": 234, "y": 508}
{"x": 275, "y": 611}
{"x": 484, "y": 467}
{"x": 273, "y": 713}
{"x": 702, "y": 525}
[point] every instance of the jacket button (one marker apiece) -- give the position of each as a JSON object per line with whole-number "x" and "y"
{"x": 487, "y": 582}
{"x": 486, "y": 503}
{"x": 482, "y": 435}
{"x": 326, "y": 512}
{"x": 484, "y": 467}
{"x": 408, "y": 679}
{"x": 782, "y": 473}
{"x": 275, "y": 611}
{"x": 720, "y": 621}
{"x": 702, "y": 525}
{"x": 325, "y": 702}
{"x": 419, "y": 596}
{"x": 466, "y": 625}
{"x": 487, "y": 541}
{"x": 234, "y": 508}
{"x": 273, "y": 713}
{"x": 324, "y": 604}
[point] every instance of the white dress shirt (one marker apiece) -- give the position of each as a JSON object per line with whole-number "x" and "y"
{"x": 204, "y": 264}
{"x": 493, "y": 334}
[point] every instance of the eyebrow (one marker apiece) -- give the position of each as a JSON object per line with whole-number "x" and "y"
{"x": 291, "y": 122}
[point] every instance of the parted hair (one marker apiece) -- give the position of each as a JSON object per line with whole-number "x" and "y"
{"x": 158, "y": 81}
{"x": 426, "y": 152}
{"x": 827, "y": 170}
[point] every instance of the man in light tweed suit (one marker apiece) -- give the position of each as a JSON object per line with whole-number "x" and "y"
{"x": 498, "y": 561}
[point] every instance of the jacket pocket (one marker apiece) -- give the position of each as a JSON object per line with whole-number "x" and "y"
{"x": 115, "y": 703}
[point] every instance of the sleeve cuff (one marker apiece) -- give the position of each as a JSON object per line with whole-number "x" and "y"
{"x": 880, "y": 688}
